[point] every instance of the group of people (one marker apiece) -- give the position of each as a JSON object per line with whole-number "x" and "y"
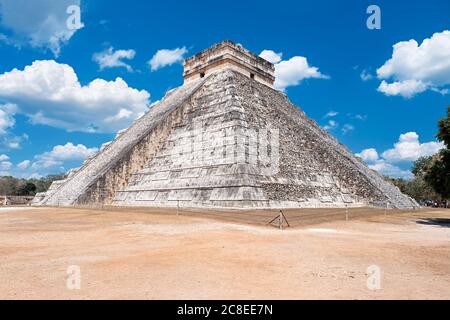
{"x": 435, "y": 203}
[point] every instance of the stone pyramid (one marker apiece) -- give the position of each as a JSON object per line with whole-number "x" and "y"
{"x": 225, "y": 139}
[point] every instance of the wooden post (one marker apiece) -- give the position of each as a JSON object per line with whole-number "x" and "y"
{"x": 346, "y": 212}
{"x": 281, "y": 220}
{"x": 287, "y": 222}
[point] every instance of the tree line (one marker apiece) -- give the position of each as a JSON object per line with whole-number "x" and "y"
{"x": 10, "y": 186}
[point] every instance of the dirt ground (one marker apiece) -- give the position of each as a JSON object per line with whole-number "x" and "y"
{"x": 123, "y": 254}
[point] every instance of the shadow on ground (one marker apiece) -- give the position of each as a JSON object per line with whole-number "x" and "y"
{"x": 441, "y": 222}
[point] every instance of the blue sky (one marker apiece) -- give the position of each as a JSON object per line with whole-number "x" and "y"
{"x": 65, "y": 98}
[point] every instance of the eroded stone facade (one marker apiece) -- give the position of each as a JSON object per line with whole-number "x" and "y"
{"x": 225, "y": 140}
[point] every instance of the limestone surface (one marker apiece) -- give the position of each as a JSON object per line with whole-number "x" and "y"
{"x": 225, "y": 140}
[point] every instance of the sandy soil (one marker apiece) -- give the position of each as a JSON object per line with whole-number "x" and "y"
{"x": 137, "y": 255}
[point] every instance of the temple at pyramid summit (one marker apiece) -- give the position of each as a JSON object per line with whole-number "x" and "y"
{"x": 225, "y": 139}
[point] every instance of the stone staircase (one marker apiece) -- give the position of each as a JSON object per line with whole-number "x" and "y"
{"x": 68, "y": 192}
{"x": 202, "y": 162}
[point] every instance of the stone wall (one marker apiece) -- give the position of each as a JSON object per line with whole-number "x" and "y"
{"x": 118, "y": 176}
{"x": 15, "y": 200}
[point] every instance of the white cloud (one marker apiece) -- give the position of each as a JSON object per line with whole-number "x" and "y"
{"x": 110, "y": 58}
{"x": 331, "y": 125}
{"x": 42, "y": 24}
{"x": 346, "y": 128}
{"x": 444, "y": 91}
{"x": 166, "y": 57}
{"x": 61, "y": 153}
{"x": 69, "y": 151}
{"x": 408, "y": 148}
{"x": 290, "y": 72}
{"x": 293, "y": 71}
{"x": 49, "y": 93}
{"x": 13, "y": 144}
{"x": 390, "y": 170}
{"x": 34, "y": 176}
{"x": 121, "y": 115}
{"x": 271, "y": 56}
{"x": 406, "y": 88}
{"x": 415, "y": 68}
{"x": 361, "y": 117}
{"x": 3, "y": 157}
{"x": 24, "y": 164}
{"x": 54, "y": 161}
{"x": 7, "y": 120}
{"x": 5, "y": 165}
{"x": 331, "y": 114}
{"x": 365, "y": 75}
{"x": 368, "y": 155}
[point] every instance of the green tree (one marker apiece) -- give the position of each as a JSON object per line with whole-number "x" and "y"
{"x": 438, "y": 173}
{"x": 27, "y": 189}
{"x": 11, "y": 186}
{"x": 416, "y": 188}
{"x": 8, "y": 186}
{"x": 421, "y": 166}
{"x": 444, "y": 129}
{"x": 44, "y": 183}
